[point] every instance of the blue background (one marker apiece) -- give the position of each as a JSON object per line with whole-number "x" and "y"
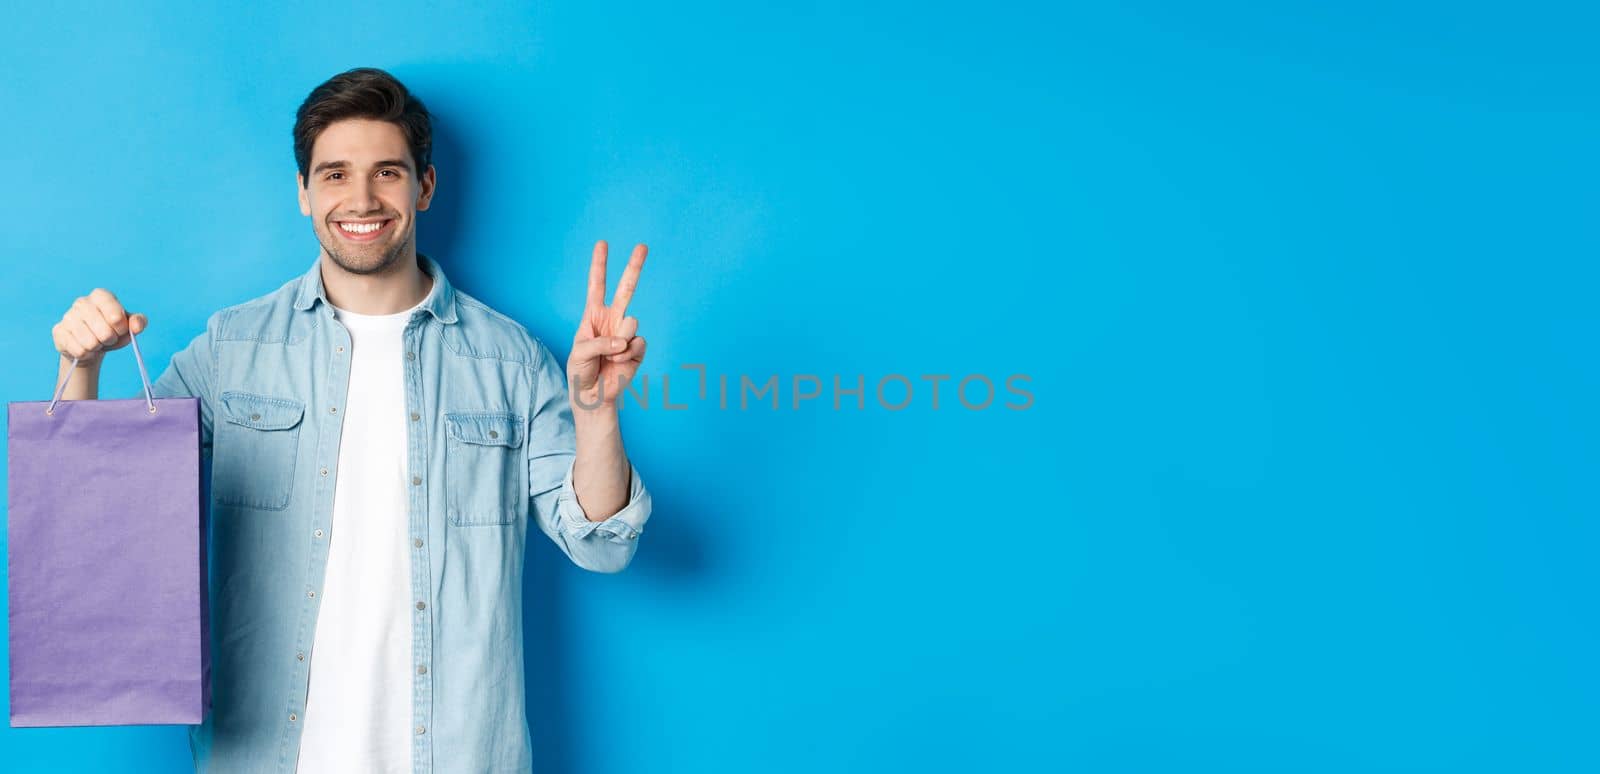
{"x": 1306, "y": 298}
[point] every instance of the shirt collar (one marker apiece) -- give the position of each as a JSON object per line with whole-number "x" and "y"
{"x": 441, "y": 302}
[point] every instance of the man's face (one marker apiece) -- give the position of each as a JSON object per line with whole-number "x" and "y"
{"x": 363, "y": 195}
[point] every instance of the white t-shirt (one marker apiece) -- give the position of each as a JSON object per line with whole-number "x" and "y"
{"x": 358, "y": 705}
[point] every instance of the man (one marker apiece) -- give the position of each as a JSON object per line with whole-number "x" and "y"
{"x": 380, "y": 442}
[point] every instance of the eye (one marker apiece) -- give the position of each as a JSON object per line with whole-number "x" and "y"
{"x": 388, "y": 172}
{"x": 332, "y": 175}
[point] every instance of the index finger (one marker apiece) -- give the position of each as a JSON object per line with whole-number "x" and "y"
{"x": 597, "y": 277}
{"x": 630, "y": 280}
{"x": 111, "y": 309}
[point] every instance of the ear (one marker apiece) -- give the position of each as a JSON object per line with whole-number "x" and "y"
{"x": 300, "y": 187}
{"x": 426, "y": 194}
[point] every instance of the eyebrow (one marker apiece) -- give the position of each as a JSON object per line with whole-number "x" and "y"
{"x": 402, "y": 163}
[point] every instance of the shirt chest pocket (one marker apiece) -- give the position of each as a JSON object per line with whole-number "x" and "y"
{"x": 254, "y": 450}
{"x": 484, "y": 468}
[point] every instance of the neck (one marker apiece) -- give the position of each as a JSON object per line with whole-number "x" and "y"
{"x": 396, "y": 289}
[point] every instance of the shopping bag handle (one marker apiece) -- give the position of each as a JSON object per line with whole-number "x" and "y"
{"x": 149, "y": 398}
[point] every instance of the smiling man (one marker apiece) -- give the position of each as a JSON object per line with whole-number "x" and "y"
{"x": 381, "y": 442}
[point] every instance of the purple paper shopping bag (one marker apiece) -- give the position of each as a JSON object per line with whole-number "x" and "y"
{"x": 106, "y": 561}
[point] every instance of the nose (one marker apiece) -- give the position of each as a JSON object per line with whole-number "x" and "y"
{"x": 362, "y": 197}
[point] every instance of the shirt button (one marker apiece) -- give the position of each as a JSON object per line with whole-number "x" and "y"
{"x": 415, "y": 416}
{"x": 413, "y": 356}
{"x": 301, "y": 656}
{"x": 422, "y": 669}
{"x": 419, "y": 730}
{"x": 333, "y": 409}
{"x": 417, "y": 542}
{"x": 311, "y": 594}
{"x": 340, "y": 349}
{"x": 420, "y": 606}
{"x": 416, "y": 480}
{"x": 318, "y": 533}
{"x": 293, "y": 717}
{"x": 255, "y": 417}
{"x": 324, "y": 471}
{"x": 493, "y": 434}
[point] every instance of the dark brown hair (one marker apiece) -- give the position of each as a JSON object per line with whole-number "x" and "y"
{"x": 365, "y": 92}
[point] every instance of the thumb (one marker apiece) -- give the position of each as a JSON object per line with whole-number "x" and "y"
{"x": 137, "y": 323}
{"x": 590, "y": 349}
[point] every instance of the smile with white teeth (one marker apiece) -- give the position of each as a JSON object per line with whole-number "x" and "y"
{"x": 362, "y": 228}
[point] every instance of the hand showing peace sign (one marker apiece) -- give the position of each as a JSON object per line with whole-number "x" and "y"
{"x": 605, "y": 351}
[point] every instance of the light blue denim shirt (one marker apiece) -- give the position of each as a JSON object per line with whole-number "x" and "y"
{"x": 490, "y": 445}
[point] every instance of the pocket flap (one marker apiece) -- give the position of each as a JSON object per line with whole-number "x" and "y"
{"x": 486, "y": 428}
{"x": 261, "y": 412}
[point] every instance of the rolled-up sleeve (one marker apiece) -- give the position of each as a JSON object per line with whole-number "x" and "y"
{"x": 600, "y": 546}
